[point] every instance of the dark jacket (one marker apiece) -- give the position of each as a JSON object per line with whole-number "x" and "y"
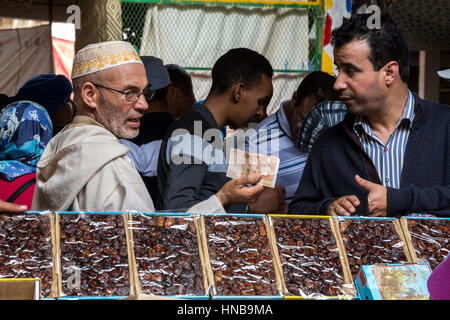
{"x": 338, "y": 156}
{"x": 181, "y": 186}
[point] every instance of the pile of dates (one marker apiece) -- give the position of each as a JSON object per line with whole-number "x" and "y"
{"x": 94, "y": 255}
{"x": 309, "y": 257}
{"x": 430, "y": 239}
{"x": 167, "y": 255}
{"x": 26, "y": 248}
{"x": 240, "y": 256}
{"x": 369, "y": 242}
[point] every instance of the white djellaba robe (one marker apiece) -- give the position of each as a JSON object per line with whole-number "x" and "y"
{"x": 86, "y": 168}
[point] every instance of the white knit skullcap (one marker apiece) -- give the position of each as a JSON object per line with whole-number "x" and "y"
{"x": 101, "y": 56}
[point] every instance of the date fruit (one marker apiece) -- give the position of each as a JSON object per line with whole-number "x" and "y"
{"x": 369, "y": 242}
{"x": 309, "y": 257}
{"x": 167, "y": 255}
{"x": 240, "y": 256}
{"x": 26, "y": 248}
{"x": 94, "y": 256}
{"x": 430, "y": 239}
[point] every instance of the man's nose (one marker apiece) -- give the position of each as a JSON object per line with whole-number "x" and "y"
{"x": 260, "y": 111}
{"x": 141, "y": 104}
{"x": 340, "y": 84}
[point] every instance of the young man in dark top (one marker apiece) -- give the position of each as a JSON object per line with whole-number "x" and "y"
{"x": 192, "y": 163}
{"x": 391, "y": 154}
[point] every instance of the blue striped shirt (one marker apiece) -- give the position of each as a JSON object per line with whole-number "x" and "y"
{"x": 292, "y": 161}
{"x": 388, "y": 159}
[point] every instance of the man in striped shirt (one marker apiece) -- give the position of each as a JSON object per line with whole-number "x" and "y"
{"x": 390, "y": 155}
{"x": 283, "y": 126}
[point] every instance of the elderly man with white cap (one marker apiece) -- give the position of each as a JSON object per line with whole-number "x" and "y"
{"x": 86, "y": 167}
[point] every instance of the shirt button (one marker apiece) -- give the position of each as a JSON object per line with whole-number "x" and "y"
{"x": 387, "y": 180}
{"x": 386, "y": 149}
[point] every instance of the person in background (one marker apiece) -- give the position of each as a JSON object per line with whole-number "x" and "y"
{"x": 3, "y": 99}
{"x": 241, "y": 88}
{"x": 52, "y": 92}
{"x": 180, "y": 94}
{"x": 283, "y": 127}
{"x": 144, "y": 149}
{"x": 173, "y": 96}
{"x": 157, "y": 118}
{"x": 64, "y": 116}
{"x": 86, "y": 167}
{"x": 320, "y": 118}
{"x": 25, "y": 131}
{"x": 389, "y": 157}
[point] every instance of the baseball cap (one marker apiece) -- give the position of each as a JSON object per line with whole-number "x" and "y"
{"x": 157, "y": 74}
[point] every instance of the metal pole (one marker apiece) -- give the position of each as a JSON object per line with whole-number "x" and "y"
{"x": 50, "y": 20}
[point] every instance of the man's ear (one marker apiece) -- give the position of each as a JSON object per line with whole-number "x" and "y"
{"x": 171, "y": 93}
{"x": 294, "y": 98}
{"x": 90, "y": 95}
{"x": 391, "y": 72}
{"x": 238, "y": 92}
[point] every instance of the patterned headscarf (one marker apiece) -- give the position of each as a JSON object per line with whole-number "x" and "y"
{"x": 25, "y": 130}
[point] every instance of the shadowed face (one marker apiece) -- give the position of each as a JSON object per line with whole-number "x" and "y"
{"x": 178, "y": 102}
{"x": 253, "y": 103}
{"x": 299, "y": 112}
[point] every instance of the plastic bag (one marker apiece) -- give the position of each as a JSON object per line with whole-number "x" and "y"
{"x": 168, "y": 261}
{"x": 26, "y": 249}
{"x": 430, "y": 239}
{"x": 240, "y": 256}
{"x": 310, "y": 258}
{"x": 94, "y": 255}
{"x": 371, "y": 241}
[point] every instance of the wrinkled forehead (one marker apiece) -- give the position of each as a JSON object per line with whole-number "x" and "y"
{"x": 128, "y": 75}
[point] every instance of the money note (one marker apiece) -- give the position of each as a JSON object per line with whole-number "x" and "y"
{"x": 241, "y": 164}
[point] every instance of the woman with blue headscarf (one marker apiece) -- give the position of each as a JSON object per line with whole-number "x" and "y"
{"x": 25, "y": 130}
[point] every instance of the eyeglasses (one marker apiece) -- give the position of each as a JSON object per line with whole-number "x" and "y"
{"x": 132, "y": 95}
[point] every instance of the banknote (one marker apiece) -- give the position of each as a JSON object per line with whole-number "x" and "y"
{"x": 241, "y": 164}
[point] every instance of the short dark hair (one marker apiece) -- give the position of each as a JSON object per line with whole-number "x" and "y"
{"x": 387, "y": 43}
{"x": 180, "y": 79}
{"x": 239, "y": 65}
{"x": 318, "y": 84}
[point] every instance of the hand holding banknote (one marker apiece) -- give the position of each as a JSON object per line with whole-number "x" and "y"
{"x": 241, "y": 164}
{"x": 241, "y": 190}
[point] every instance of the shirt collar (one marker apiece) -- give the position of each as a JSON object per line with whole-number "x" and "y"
{"x": 282, "y": 119}
{"x": 409, "y": 113}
